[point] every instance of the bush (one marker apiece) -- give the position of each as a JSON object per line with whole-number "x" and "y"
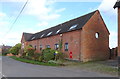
{"x": 5, "y": 52}
{"x": 60, "y": 56}
{"x": 28, "y": 52}
{"x": 31, "y": 54}
{"x": 48, "y": 54}
{"x": 34, "y": 62}
{"x": 38, "y": 57}
{"x": 15, "y": 50}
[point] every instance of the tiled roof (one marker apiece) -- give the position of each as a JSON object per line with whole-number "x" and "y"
{"x": 117, "y": 4}
{"x": 27, "y": 36}
{"x": 74, "y": 24}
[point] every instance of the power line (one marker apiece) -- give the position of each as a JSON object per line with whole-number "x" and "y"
{"x": 17, "y": 18}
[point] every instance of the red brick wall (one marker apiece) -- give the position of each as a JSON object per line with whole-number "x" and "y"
{"x": 118, "y": 31}
{"x": 72, "y": 38}
{"x": 82, "y": 43}
{"x": 23, "y": 42}
{"x": 113, "y": 53}
{"x": 93, "y": 48}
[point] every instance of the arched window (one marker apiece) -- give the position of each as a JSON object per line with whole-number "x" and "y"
{"x": 97, "y": 35}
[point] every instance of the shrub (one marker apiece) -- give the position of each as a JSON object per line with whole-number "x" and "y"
{"x": 60, "y": 45}
{"x": 28, "y": 52}
{"x": 15, "y": 50}
{"x": 61, "y": 56}
{"x": 48, "y": 54}
{"x": 38, "y": 57}
{"x": 5, "y": 52}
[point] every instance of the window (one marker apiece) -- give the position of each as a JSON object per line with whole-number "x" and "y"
{"x": 73, "y": 27}
{"x": 41, "y": 47}
{"x": 49, "y": 33}
{"x": 47, "y": 46}
{"x": 33, "y": 38}
{"x": 56, "y": 46}
{"x": 97, "y": 35}
{"x": 58, "y": 31}
{"x": 35, "y": 47}
{"x": 42, "y": 35}
{"x": 66, "y": 46}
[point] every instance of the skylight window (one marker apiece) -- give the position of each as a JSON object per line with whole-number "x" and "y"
{"x": 42, "y": 35}
{"x": 33, "y": 38}
{"x": 58, "y": 31}
{"x": 73, "y": 27}
{"x": 49, "y": 33}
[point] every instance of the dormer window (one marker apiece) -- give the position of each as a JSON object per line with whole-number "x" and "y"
{"x": 33, "y": 38}
{"x": 58, "y": 31}
{"x": 49, "y": 33}
{"x": 73, "y": 27}
{"x": 42, "y": 35}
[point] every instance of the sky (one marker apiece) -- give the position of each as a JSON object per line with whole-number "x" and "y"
{"x": 42, "y": 14}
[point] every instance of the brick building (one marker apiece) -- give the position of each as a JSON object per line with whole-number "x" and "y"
{"x": 4, "y": 48}
{"x": 0, "y": 49}
{"x": 117, "y": 5}
{"x": 113, "y": 53}
{"x": 87, "y": 37}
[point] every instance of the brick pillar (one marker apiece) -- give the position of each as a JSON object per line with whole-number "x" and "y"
{"x": 118, "y": 31}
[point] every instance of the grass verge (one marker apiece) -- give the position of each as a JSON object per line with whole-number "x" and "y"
{"x": 95, "y": 66}
{"x": 33, "y": 62}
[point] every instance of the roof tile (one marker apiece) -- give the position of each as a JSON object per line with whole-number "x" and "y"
{"x": 80, "y": 21}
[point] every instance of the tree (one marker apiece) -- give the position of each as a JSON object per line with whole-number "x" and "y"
{"x": 15, "y": 50}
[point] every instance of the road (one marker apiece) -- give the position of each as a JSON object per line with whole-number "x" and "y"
{"x": 0, "y": 67}
{"x": 13, "y": 68}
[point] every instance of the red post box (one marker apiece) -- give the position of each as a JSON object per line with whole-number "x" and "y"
{"x": 70, "y": 55}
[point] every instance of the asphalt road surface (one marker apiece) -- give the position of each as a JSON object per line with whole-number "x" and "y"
{"x": 0, "y": 67}
{"x": 13, "y": 68}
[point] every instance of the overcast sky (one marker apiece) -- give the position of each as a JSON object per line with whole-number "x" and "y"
{"x": 42, "y": 14}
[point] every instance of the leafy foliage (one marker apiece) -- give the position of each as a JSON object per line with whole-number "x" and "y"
{"x": 48, "y": 54}
{"x": 28, "y": 52}
{"x": 15, "y": 50}
{"x": 38, "y": 57}
{"x": 61, "y": 56}
{"x": 60, "y": 45}
{"x": 34, "y": 62}
{"x": 5, "y": 52}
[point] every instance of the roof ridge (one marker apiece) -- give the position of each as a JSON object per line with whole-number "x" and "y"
{"x": 27, "y": 33}
{"x": 65, "y": 27}
{"x": 117, "y": 4}
{"x": 67, "y": 21}
{"x": 82, "y": 15}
